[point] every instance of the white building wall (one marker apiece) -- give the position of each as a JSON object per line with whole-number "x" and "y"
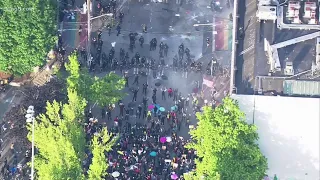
{"x": 288, "y": 128}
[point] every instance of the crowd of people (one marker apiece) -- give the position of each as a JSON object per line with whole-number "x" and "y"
{"x": 151, "y": 144}
{"x": 151, "y": 137}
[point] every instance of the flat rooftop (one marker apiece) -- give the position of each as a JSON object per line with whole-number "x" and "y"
{"x": 288, "y": 129}
{"x": 301, "y": 54}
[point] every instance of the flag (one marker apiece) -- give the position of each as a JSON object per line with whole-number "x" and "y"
{"x": 208, "y": 83}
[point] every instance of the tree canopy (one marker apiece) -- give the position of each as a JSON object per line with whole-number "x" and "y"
{"x": 60, "y": 139}
{"x": 226, "y": 145}
{"x": 100, "y": 144}
{"x": 103, "y": 90}
{"x": 28, "y": 32}
{"x": 60, "y": 135}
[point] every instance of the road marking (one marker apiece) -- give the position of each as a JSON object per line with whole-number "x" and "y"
{"x": 246, "y": 50}
{"x": 252, "y": 1}
{"x": 213, "y": 41}
{"x": 5, "y": 94}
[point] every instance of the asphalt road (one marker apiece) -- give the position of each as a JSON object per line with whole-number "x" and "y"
{"x": 167, "y": 28}
{"x": 246, "y": 53}
{"x": 6, "y": 100}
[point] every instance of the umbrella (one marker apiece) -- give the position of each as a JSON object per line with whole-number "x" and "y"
{"x": 163, "y": 140}
{"x": 151, "y": 106}
{"x": 174, "y": 176}
{"x": 115, "y": 174}
{"x": 266, "y": 177}
{"x": 174, "y": 108}
{"x": 157, "y": 84}
{"x": 153, "y": 154}
{"x": 168, "y": 139}
{"x": 164, "y": 77}
{"x": 162, "y": 109}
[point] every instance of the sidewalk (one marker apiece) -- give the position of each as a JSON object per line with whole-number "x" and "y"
{"x": 70, "y": 32}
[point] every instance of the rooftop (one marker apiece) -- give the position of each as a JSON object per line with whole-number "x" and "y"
{"x": 288, "y": 133}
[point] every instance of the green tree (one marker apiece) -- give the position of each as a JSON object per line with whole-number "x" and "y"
{"x": 226, "y": 145}
{"x": 104, "y": 91}
{"x": 28, "y": 32}
{"x": 60, "y": 139}
{"x": 101, "y": 143}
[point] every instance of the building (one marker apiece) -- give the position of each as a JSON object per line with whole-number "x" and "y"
{"x": 288, "y": 130}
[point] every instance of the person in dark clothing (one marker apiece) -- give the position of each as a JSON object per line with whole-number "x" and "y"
{"x": 109, "y": 29}
{"x": 127, "y": 114}
{"x": 126, "y": 78}
{"x": 166, "y": 48}
{"x": 118, "y": 29}
{"x": 141, "y": 40}
{"x": 154, "y": 98}
{"x": 162, "y": 120}
{"x": 155, "y": 91}
{"x": 145, "y": 101}
{"x": 163, "y": 93}
{"x": 103, "y": 113}
{"x": 109, "y": 114}
{"x": 144, "y": 89}
{"x": 136, "y": 80}
{"x": 139, "y": 111}
{"x": 121, "y": 106}
{"x": 135, "y": 92}
{"x": 144, "y": 113}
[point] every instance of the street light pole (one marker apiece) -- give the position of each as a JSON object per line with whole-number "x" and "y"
{"x": 89, "y": 28}
{"x": 31, "y": 119}
{"x": 32, "y": 152}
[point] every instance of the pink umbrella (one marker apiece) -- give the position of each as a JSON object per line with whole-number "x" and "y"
{"x": 163, "y": 140}
{"x": 174, "y": 176}
{"x": 151, "y": 106}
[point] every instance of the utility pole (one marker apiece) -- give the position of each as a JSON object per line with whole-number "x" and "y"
{"x": 89, "y": 29}
{"x": 31, "y": 119}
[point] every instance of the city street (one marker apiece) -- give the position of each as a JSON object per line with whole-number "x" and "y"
{"x": 246, "y": 47}
{"x": 164, "y": 25}
{"x": 169, "y": 23}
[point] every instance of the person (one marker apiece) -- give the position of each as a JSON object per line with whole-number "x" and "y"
{"x": 144, "y": 102}
{"x": 144, "y": 28}
{"x": 151, "y": 45}
{"x": 139, "y": 111}
{"x": 144, "y": 88}
{"x": 103, "y": 113}
{"x": 80, "y": 30}
{"x": 166, "y": 48}
{"x": 161, "y": 46}
{"x": 154, "y": 98}
{"x": 118, "y": 29}
{"x": 135, "y": 92}
{"x": 121, "y": 15}
{"x": 126, "y": 78}
{"x": 141, "y": 40}
{"x": 154, "y": 43}
{"x": 170, "y": 92}
{"x": 136, "y": 80}
{"x": 99, "y": 35}
{"x": 163, "y": 93}
{"x": 121, "y": 106}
